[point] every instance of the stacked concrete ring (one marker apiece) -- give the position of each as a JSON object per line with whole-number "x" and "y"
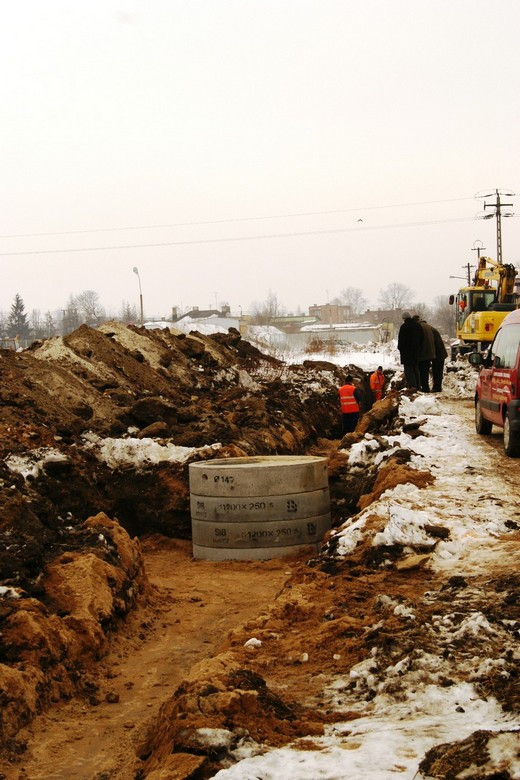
{"x": 259, "y": 507}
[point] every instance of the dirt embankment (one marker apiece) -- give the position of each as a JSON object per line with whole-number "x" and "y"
{"x": 67, "y": 401}
{"x": 76, "y": 590}
{"x": 69, "y": 570}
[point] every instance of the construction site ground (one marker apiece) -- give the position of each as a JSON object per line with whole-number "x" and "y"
{"x": 191, "y": 609}
{"x": 121, "y": 652}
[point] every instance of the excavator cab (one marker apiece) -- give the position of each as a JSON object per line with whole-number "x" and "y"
{"x": 483, "y": 305}
{"x": 469, "y": 301}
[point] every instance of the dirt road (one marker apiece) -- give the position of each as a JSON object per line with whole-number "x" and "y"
{"x": 191, "y": 613}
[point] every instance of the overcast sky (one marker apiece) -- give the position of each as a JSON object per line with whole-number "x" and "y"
{"x": 192, "y": 133}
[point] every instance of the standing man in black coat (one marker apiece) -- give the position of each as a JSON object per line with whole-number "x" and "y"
{"x": 438, "y": 361}
{"x": 426, "y": 353}
{"x": 409, "y": 344}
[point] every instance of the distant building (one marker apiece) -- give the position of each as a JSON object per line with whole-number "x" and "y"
{"x": 200, "y": 314}
{"x": 378, "y": 316}
{"x": 331, "y": 313}
{"x": 345, "y": 333}
{"x": 10, "y": 343}
{"x": 389, "y": 320}
{"x": 292, "y": 323}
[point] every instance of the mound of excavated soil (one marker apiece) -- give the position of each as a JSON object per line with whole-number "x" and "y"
{"x": 69, "y": 569}
{"x": 64, "y": 397}
{"x": 50, "y": 639}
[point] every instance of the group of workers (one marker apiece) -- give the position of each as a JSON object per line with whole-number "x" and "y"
{"x": 350, "y": 398}
{"x": 421, "y": 349}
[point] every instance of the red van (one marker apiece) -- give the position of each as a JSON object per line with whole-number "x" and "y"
{"x": 497, "y": 394}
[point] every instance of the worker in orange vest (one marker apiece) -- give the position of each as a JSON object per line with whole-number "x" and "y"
{"x": 349, "y": 397}
{"x": 377, "y": 382}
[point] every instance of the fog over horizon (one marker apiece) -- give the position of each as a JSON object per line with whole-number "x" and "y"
{"x": 234, "y": 150}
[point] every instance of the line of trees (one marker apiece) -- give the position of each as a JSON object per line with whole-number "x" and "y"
{"x": 82, "y": 309}
{"x": 395, "y": 296}
{"x": 86, "y": 308}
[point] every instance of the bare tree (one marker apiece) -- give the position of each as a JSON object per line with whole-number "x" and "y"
{"x": 50, "y": 325}
{"x": 423, "y": 310}
{"x": 354, "y": 299}
{"x": 395, "y": 296}
{"x": 264, "y": 313}
{"x": 88, "y": 305}
{"x": 70, "y": 317}
{"x": 128, "y": 313}
{"x": 37, "y": 324}
{"x": 443, "y": 315}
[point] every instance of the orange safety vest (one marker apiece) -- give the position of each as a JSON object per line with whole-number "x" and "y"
{"x": 347, "y": 400}
{"x": 377, "y": 382}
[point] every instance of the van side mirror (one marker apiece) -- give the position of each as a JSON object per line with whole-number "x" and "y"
{"x": 451, "y": 300}
{"x": 476, "y": 359}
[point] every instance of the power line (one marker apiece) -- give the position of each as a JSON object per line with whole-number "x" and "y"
{"x": 263, "y": 236}
{"x": 237, "y": 219}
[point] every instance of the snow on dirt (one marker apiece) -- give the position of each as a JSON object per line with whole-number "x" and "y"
{"x": 140, "y": 453}
{"x": 394, "y": 652}
{"x": 33, "y": 463}
{"x": 411, "y": 709}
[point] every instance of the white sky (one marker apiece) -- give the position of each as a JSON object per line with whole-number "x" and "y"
{"x": 131, "y": 113}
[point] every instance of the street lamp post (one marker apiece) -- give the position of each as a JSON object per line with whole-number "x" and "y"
{"x": 136, "y": 271}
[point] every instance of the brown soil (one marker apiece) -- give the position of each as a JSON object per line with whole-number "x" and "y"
{"x": 193, "y": 629}
{"x": 190, "y": 609}
{"x": 117, "y": 652}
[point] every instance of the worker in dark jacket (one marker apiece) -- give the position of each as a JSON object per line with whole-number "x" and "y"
{"x": 426, "y": 353}
{"x": 409, "y": 343}
{"x": 438, "y": 361}
{"x": 349, "y": 398}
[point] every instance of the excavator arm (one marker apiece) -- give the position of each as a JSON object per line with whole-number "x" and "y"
{"x": 500, "y": 276}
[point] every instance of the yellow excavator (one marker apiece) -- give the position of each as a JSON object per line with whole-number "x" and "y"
{"x": 481, "y": 307}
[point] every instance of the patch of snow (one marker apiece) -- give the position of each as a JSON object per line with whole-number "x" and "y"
{"x": 405, "y": 527}
{"x": 423, "y": 404}
{"x": 9, "y": 593}
{"x": 141, "y": 452}
{"x": 253, "y": 642}
{"x": 388, "y": 739}
{"x": 221, "y": 739}
{"x": 31, "y": 464}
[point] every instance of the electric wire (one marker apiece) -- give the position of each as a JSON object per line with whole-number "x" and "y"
{"x": 232, "y": 239}
{"x": 236, "y": 219}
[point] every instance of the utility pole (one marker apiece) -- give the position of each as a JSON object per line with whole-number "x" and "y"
{"x": 136, "y": 272}
{"x": 478, "y": 249}
{"x": 468, "y": 268}
{"x": 498, "y": 205}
